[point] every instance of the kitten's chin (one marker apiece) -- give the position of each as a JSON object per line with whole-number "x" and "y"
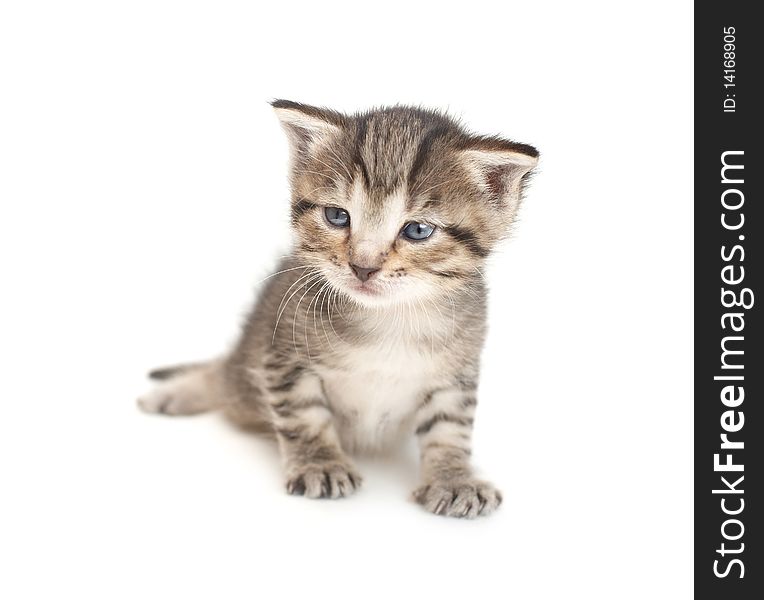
{"x": 372, "y": 293}
{"x": 368, "y": 294}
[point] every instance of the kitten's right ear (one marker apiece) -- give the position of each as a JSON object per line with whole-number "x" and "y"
{"x": 499, "y": 167}
{"x": 306, "y": 125}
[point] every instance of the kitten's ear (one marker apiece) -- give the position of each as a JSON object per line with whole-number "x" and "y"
{"x": 499, "y": 166}
{"x": 306, "y": 125}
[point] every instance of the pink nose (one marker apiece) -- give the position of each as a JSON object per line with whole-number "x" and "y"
{"x": 363, "y": 273}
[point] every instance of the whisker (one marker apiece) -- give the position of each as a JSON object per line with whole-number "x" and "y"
{"x": 327, "y": 293}
{"x": 305, "y": 324}
{"x": 281, "y": 312}
{"x": 328, "y": 167}
{"x": 321, "y": 187}
{"x": 296, "y": 311}
{"x": 436, "y": 186}
{"x": 284, "y": 271}
{"x": 294, "y": 283}
{"x": 324, "y": 175}
{"x": 341, "y": 163}
{"x": 333, "y": 306}
{"x": 314, "y": 302}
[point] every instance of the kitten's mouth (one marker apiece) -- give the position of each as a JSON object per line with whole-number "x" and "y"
{"x": 366, "y": 289}
{"x": 371, "y": 292}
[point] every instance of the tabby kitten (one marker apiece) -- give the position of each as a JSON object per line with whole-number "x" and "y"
{"x": 372, "y": 329}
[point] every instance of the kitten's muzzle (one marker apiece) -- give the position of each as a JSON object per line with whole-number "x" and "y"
{"x": 363, "y": 273}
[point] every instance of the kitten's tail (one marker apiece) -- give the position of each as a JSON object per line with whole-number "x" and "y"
{"x": 163, "y": 373}
{"x": 193, "y": 388}
{"x": 186, "y": 389}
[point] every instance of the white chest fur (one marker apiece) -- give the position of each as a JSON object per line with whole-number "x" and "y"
{"x": 374, "y": 391}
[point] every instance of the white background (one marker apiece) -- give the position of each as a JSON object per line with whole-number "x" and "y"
{"x": 143, "y": 189}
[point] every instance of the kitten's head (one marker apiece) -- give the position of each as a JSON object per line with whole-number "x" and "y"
{"x": 398, "y": 203}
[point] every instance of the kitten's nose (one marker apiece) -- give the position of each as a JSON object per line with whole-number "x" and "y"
{"x": 362, "y": 272}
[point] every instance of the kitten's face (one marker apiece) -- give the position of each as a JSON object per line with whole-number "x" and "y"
{"x": 399, "y": 205}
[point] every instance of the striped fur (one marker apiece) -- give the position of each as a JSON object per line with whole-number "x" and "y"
{"x": 331, "y": 364}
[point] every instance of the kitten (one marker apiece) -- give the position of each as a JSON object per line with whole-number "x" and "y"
{"x": 372, "y": 329}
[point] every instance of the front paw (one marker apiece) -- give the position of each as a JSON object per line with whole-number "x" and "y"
{"x": 464, "y": 497}
{"x": 331, "y": 479}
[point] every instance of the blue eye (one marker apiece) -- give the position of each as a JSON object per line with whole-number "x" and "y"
{"x": 417, "y": 231}
{"x": 337, "y": 216}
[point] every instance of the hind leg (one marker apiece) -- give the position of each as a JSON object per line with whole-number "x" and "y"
{"x": 189, "y": 393}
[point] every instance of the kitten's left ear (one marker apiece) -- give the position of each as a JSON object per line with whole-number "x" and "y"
{"x": 499, "y": 166}
{"x": 306, "y": 125}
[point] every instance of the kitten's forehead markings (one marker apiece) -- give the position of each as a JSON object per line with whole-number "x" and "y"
{"x": 376, "y": 223}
